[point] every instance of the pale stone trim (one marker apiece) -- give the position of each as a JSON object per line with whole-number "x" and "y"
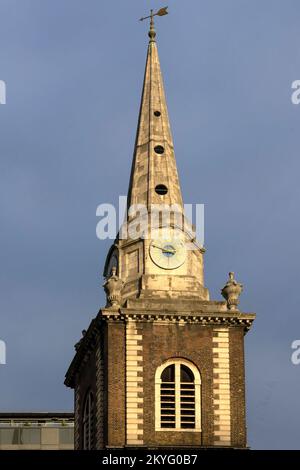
{"x": 132, "y": 357}
{"x": 136, "y": 413}
{"x": 221, "y": 383}
{"x": 221, "y": 365}
{"x": 131, "y": 347}
{"x": 219, "y": 370}
{"x": 132, "y": 373}
{"x": 224, "y": 420}
{"x": 135, "y": 368}
{"x": 131, "y": 423}
{"x": 223, "y": 386}
{"x": 219, "y": 342}
{"x": 134, "y": 388}
{"x": 134, "y": 400}
{"x": 222, "y": 375}
{"x": 132, "y": 394}
{"x": 222, "y": 355}
{"x": 133, "y": 437}
{"x": 134, "y": 384}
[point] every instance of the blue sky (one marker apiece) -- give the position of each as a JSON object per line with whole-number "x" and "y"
{"x": 73, "y": 71}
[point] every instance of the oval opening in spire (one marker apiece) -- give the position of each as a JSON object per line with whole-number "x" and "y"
{"x": 161, "y": 189}
{"x": 159, "y": 149}
{"x": 157, "y": 113}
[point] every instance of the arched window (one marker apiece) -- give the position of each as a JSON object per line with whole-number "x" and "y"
{"x": 88, "y": 422}
{"x": 177, "y": 396}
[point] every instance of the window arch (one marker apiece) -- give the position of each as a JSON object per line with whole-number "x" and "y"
{"x": 88, "y": 422}
{"x": 177, "y": 396}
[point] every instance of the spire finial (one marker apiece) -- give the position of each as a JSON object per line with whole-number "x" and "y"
{"x": 152, "y": 32}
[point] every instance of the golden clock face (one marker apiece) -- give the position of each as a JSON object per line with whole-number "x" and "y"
{"x": 168, "y": 254}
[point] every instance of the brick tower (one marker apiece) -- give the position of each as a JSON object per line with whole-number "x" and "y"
{"x": 161, "y": 365}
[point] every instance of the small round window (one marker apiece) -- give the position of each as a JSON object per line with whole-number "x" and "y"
{"x": 161, "y": 189}
{"x": 157, "y": 113}
{"x": 159, "y": 149}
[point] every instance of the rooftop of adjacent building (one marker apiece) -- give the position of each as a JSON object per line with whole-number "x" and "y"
{"x": 42, "y": 416}
{"x": 36, "y": 430}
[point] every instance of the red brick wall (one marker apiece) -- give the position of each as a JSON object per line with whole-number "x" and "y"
{"x": 194, "y": 343}
{"x": 161, "y": 342}
{"x": 115, "y": 383}
{"x": 237, "y": 386}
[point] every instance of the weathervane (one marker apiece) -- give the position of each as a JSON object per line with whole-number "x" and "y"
{"x": 161, "y": 12}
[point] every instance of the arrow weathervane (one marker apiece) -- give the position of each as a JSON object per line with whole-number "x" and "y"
{"x": 161, "y": 12}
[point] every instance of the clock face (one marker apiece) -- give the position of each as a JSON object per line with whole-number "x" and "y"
{"x": 168, "y": 254}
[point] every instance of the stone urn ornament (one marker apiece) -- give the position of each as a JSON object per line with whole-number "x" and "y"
{"x": 231, "y": 292}
{"x": 113, "y": 287}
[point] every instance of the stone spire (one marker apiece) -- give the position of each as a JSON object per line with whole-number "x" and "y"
{"x": 154, "y": 177}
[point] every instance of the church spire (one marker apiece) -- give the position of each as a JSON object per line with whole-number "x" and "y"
{"x": 154, "y": 177}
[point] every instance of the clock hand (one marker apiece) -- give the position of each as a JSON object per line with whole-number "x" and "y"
{"x": 168, "y": 251}
{"x": 164, "y": 250}
{"x": 159, "y": 247}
